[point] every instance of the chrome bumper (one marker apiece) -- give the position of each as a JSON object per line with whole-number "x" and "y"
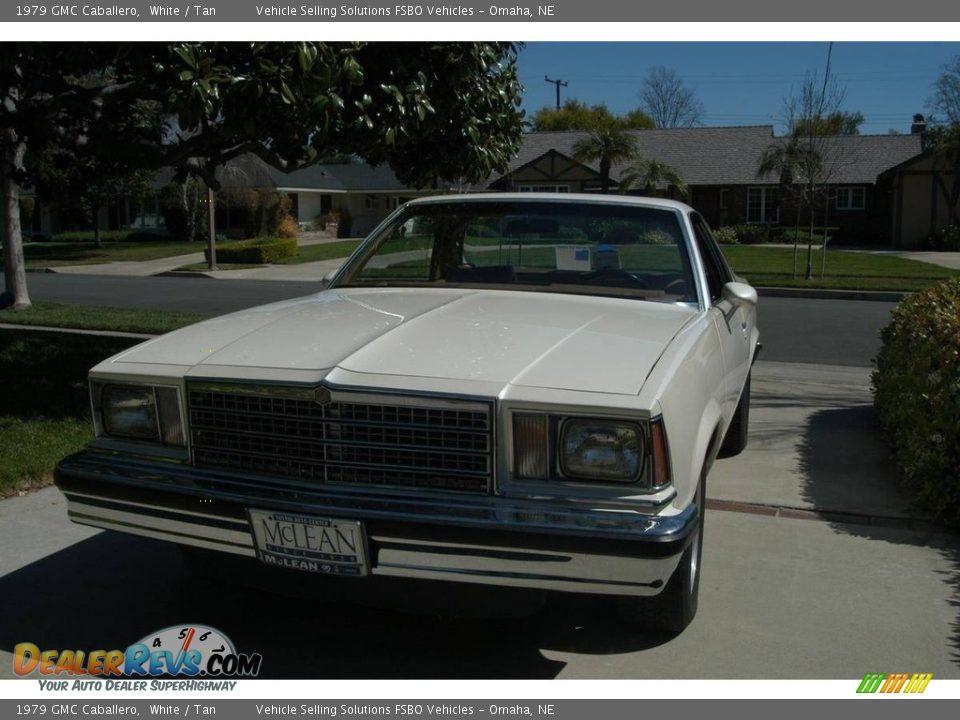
{"x": 483, "y": 539}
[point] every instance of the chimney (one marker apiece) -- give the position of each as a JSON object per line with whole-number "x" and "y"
{"x": 919, "y": 125}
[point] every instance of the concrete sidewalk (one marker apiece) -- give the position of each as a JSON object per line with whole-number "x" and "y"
{"x": 163, "y": 266}
{"x": 814, "y": 445}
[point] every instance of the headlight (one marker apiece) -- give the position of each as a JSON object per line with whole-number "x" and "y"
{"x": 601, "y": 450}
{"x": 130, "y": 411}
{"x": 140, "y": 412}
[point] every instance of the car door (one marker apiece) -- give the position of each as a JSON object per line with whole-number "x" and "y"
{"x": 735, "y": 323}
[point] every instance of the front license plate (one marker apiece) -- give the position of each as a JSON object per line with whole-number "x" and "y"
{"x": 313, "y": 544}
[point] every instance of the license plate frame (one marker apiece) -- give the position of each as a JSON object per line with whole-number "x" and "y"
{"x": 309, "y": 543}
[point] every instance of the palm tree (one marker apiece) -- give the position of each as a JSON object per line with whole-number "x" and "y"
{"x": 794, "y": 163}
{"x": 610, "y": 144}
{"x": 648, "y": 175}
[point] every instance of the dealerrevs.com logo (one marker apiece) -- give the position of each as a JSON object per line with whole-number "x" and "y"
{"x": 180, "y": 650}
{"x": 887, "y": 683}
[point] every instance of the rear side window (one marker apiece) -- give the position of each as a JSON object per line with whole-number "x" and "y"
{"x": 714, "y": 264}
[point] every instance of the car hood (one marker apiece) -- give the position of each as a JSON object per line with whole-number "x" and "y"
{"x": 542, "y": 340}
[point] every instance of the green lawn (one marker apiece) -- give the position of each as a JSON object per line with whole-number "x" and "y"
{"x": 45, "y": 413}
{"x": 91, "y": 317}
{"x": 40, "y": 255}
{"x": 766, "y": 266}
{"x": 323, "y": 251}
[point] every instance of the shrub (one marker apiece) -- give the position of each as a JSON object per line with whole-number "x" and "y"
{"x": 917, "y": 391}
{"x": 657, "y": 237}
{"x": 288, "y": 228}
{"x": 258, "y": 251}
{"x": 83, "y": 236}
{"x": 802, "y": 234}
{"x": 945, "y": 239}
{"x": 726, "y": 235}
{"x": 752, "y": 234}
{"x": 330, "y": 219}
{"x": 274, "y": 208}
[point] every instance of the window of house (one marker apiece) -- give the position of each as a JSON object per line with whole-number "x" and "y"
{"x": 547, "y": 188}
{"x": 762, "y": 205}
{"x": 723, "y": 199}
{"x": 372, "y": 202}
{"x": 851, "y": 198}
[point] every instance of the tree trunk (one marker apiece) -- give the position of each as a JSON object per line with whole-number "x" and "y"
{"x": 189, "y": 204}
{"x": 796, "y": 238}
{"x": 14, "y": 273}
{"x": 813, "y": 210}
{"x": 826, "y": 221}
{"x": 604, "y": 175}
{"x": 96, "y": 226}
{"x": 212, "y": 235}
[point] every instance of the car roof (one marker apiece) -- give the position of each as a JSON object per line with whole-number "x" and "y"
{"x": 564, "y": 198}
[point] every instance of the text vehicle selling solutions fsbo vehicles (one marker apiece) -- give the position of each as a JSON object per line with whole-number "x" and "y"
{"x": 516, "y": 389}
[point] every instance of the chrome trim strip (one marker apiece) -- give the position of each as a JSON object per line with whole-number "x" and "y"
{"x": 397, "y": 556}
{"x": 545, "y": 515}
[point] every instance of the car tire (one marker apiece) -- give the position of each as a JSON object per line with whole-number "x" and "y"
{"x": 676, "y": 605}
{"x": 736, "y": 438}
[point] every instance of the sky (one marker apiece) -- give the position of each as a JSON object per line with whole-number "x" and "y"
{"x": 742, "y": 83}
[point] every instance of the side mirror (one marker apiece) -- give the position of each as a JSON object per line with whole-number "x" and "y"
{"x": 328, "y": 277}
{"x": 740, "y": 293}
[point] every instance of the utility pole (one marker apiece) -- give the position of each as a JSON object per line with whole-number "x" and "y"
{"x": 558, "y": 83}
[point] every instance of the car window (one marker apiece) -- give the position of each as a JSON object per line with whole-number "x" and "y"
{"x": 594, "y": 248}
{"x": 714, "y": 264}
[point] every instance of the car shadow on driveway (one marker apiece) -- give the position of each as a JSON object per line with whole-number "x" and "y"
{"x": 111, "y": 590}
{"x": 849, "y": 476}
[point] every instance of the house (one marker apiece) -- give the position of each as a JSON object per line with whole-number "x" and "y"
{"x": 920, "y": 191}
{"x": 883, "y": 188}
{"x": 365, "y": 192}
{"x": 719, "y": 165}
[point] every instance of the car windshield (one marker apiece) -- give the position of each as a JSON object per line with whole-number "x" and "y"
{"x": 590, "y": 248}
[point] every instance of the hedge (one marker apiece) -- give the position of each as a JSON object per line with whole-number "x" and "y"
{"x": 917, "y": 391}
{"x": 258, "y": 251}
{"x": 83, "y": 236}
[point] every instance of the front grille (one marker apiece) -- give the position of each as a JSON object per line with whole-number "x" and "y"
{"x": 355, "y": 439}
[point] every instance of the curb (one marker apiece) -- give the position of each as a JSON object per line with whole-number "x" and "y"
{"x": 77, "y": 331}
{"x": 183, "y": 273}
{"x": 917, "y": 524}
{"x": 826, "y": 294}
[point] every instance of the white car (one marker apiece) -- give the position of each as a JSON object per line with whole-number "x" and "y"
{"x": 516, "y": 389}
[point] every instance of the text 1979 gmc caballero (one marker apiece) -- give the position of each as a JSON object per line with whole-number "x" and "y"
{"x": 516, "y": 389}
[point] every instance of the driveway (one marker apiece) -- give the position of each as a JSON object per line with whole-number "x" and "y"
{"x": 943, "y": 259}
{"x": 854, "y": 584}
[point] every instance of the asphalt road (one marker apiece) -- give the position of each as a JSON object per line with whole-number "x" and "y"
{"x": 832, "y": 332}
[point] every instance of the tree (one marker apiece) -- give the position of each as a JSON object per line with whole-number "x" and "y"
{"x": 609, "y": 144}
{"x": 90, "y": 182}
{"x": 436, "y": 112}
{"x": 668, "y": 101}
{"x": 48, "y": 94}
{"x": 576, "y": 115}
{"x": 945, "y": 102}
{"x": 944, "y": 135}
{"x": 788, "y": 160}
{"x": 836, "y": 123}
{"x": 815, "y": 156}
{"x": 648, "y": 175}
